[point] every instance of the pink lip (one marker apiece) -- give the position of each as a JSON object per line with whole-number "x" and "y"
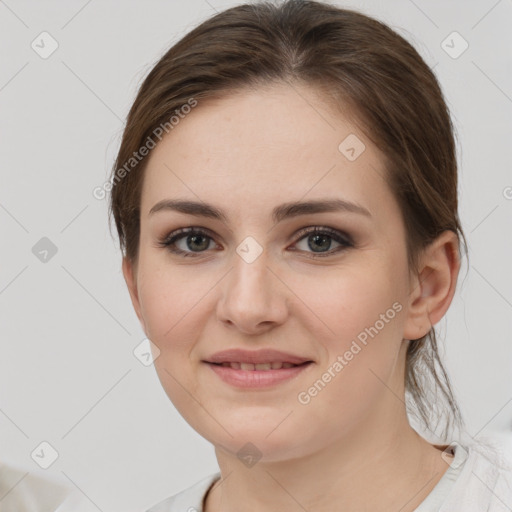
{"x": 256, "y": 378}
{"x": 268, "y": 355}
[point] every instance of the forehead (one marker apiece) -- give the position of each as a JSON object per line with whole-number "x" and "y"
{"x": 275, "y": 143}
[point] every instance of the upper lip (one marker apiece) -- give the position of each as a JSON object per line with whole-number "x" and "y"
{"x": 236, "y": 355}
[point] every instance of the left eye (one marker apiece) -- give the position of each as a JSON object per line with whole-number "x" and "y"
{"x": 318, "y": 237}
{"x": 198, "y": 240}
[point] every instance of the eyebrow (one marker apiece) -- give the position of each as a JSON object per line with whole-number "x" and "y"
{"x": 279, "y": 213}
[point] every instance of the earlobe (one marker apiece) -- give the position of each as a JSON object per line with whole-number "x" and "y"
{"x": 433, "y": 289}
{"x": 130, "y": 277}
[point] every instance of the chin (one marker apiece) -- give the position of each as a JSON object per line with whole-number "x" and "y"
{"x": 263, "y": 441}
{"x": 262, "y": 450}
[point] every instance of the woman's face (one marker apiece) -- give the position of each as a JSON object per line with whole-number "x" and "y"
{"x": 258, "y": 278}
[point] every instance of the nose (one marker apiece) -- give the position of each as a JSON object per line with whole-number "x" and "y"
{"x": 253, "y": 297}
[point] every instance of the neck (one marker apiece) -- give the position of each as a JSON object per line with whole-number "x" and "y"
{"x": 374, "y": 469}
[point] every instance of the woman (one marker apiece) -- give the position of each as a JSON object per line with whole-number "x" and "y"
{"x": 285, "y": 196}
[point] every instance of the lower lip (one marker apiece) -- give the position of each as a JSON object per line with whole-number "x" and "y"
{"x": 256, "y": 378}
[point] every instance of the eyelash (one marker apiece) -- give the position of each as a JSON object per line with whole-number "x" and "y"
{"x": 169, "y": 241}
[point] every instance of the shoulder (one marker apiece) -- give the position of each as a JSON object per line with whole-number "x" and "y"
{"x": 188, "y": 500}
{"x": 485, "y": 482}
{"x": 497, "y": 450}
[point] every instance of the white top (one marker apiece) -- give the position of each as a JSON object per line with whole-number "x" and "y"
{"x": 479, "y": 479}
{"x": 33, "y": 490}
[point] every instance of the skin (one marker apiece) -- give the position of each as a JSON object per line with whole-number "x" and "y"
{"x": 352, "y": 444}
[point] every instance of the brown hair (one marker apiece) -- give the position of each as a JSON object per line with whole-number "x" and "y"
{"x": 355, "y": 61}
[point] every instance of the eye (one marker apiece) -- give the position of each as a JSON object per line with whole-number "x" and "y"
{"x": 321, "y": 238}
{"x": 196, "y": 239}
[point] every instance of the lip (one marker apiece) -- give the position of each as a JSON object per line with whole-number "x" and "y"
{"x": 257, "y": 378}
{"x": 267, "y": 355}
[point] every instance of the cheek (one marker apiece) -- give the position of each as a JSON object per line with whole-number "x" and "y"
{"x": 344, "y": 305}
{"x": 362, "y": 324}
{"x": 173, "y": 309}
{"x": 168, "y": 299}
{"x": 169, "y": 318}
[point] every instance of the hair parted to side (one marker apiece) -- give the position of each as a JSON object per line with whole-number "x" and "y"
{"x": 357, "y": 63}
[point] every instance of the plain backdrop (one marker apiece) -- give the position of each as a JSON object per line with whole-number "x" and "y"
{"x": 68, "y": 374}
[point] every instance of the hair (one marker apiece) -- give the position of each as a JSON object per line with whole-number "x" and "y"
{"x": 356, "y": 63}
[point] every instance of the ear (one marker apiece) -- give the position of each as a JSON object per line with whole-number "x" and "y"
{"x": 130, "y": 276}
{"x": 433, "y": 289}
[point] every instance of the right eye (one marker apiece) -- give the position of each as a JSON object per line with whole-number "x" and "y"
{"x": 193, "y": 238}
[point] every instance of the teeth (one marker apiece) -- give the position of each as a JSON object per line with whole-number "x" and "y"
{"x": 260, "y": 366}
{"x": 263, "y": 366}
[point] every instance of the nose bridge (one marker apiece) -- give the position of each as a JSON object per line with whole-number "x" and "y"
{"x": 250, "y": 277}
{"x": 250, "y": 294}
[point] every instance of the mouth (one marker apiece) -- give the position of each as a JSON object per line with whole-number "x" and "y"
{"x": 275, "y": 365}
{"x": 254, "y": 376}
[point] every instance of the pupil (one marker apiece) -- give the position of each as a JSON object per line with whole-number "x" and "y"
{"x": 324, "y": 237}
{"x": 195, "y": 237}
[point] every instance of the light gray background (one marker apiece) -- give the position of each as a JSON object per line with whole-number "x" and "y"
{"x": 68, "y": 375}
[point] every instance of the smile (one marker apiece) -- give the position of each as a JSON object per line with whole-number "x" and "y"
{"x": 259, "y": 375}
{"x": 260, "y": 366}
